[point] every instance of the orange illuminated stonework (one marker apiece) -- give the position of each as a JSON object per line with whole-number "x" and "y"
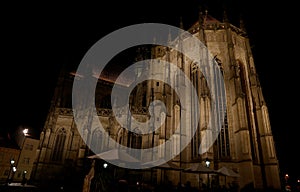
{"x": 245, "y": 144}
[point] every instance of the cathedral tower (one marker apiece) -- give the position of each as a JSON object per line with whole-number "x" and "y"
{"x": 244, "y": 144}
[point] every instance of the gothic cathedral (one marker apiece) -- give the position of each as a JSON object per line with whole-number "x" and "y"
{"x": 244, "y": 142}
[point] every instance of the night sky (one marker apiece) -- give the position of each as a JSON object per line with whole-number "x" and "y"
{"x": 38, "y": 39}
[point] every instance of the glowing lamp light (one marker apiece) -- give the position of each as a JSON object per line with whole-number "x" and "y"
{"x": 207, "y": 162}
{"x": 286, "y": 176}
{"x": 25, "y": 132}
{"x": 105, "y": 165}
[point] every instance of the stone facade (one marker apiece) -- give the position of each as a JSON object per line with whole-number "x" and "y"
{"x": 6, "y": 155}
{"x": 244, "y": 144}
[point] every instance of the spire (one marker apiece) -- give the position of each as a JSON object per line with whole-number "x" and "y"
{"x": 181, "y": 23}
{"x": 180, "y": 33}
{"x": 242, "y": 24}
{"x": 200, "y": 17}
{"x": 201, "y": 21}
{"x": 225, "y": 17}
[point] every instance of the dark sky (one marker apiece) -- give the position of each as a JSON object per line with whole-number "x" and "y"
{"x": 37, "y": 39}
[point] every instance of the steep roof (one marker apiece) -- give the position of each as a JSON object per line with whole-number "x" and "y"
{"x": 207, "y": 19}
{"x": 211, "y": 23}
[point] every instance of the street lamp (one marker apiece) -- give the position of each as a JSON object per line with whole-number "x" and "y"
{"x": 24, "y": 177}
{"x": 14, "y": 169}
{"x": 207, "y": 163}
{"x": 25, "y": 132}
{"x": 11, "y": 168}
{"x": 105, "y": 165}
{"x": 286, "y": 177}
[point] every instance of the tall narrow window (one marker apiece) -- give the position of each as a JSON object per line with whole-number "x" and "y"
{"x": 223, "y": 140}
{"x": 195, "y": 143}
{"x": 136, "y": 142}
{"x": 120, "y": 137}
{"x": 59, "y": 145}
{"x": 223, "y": 137}
{"x": 144, "y": 101}
{"x": 97, "y": 141}
{"x": 176, "y": 131}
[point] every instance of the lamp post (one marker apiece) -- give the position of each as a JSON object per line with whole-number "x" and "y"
{"x": 14, "y": 169}
{"x": 207, "y": 163}
{"x": 11, "y": 168}
{"x": 286, "y": 178}
{"x": 24, "y": 177}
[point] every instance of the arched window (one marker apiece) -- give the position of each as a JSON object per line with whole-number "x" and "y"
{"x": 121, "y": 137}
{"x": 59, "y": 145}
{"x": 176, "y": 131}
{"x": 223, "y": 137}
{"x": 136, "y": 142}
{"x": 223, "y": 140}
{"x": 97, "y": 141}
{"x": 144, "y": 101}
{"x": 196, "y": 139}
